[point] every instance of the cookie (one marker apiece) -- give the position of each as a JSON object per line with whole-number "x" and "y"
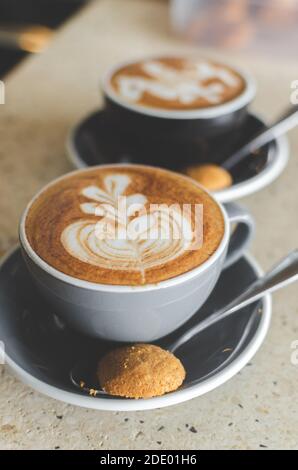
{"x": 211, "y": 176}
{"x": 140, "y": 371}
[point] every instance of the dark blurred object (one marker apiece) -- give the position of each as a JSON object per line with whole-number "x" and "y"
{"x": 269, "y": 27}
{"x": 31, "y": 13}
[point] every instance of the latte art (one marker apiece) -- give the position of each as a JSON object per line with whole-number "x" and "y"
{"x": 123, "y": 225}
{"x": 177, "y": 83}
{"x": 186, "y": 92}
{"x": 122, "y": 240}
{"x": 184, "y": 86}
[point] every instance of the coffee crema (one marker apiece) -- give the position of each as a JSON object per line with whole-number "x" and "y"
{"x": 176, "y": 83}
{"x": 113, "y": 225}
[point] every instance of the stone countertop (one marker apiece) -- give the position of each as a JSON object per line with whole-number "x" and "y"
{"x": 45, "y": 96}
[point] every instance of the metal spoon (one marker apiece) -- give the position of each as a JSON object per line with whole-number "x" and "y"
{"x": 283, "y": 124}
{"x": 280, "y": 275}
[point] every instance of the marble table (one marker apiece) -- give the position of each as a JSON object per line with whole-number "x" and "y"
{"x": 45, "y": 96}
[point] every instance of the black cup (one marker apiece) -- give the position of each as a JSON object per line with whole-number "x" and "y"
{"x": 176, "y": 125}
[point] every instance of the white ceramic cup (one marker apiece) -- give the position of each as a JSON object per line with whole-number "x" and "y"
{"x": 137, "y": 313}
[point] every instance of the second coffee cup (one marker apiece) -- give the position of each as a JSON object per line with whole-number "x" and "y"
{"x": 174, "y": 97}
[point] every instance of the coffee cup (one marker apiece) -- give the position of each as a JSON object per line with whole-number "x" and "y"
{"x": 100, "y": 287}
{"x": 173, "y": 97}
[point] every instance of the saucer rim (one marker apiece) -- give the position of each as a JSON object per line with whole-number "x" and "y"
{"x": 262, "y": 180}
{"x": 173, "y": 398}
{"x": 237, "y": 191}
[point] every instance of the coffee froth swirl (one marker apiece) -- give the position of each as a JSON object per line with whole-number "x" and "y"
{"x": 129, "y": 239}
{"x": 70, "y": 224}
{"x": 195, "y": 81}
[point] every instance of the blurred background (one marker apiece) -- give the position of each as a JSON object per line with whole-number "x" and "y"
{"x": 28, "y": 25}
{"x": 268, "y": 27}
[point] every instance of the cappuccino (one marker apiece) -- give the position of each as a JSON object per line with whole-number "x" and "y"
{"x": 176, "y": 84}
{"x": 123, "y": 225}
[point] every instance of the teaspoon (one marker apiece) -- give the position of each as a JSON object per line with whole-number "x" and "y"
{"x": 280, "y": 275}
{"x": 288, "y": 120}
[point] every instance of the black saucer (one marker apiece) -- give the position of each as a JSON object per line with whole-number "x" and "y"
{"x": 42, "y": 350}
{"x": 97, "y": 141}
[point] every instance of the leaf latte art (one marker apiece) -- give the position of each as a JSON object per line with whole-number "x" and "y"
{"x": 125, "y": 237}
{"x": 124, "y": 225}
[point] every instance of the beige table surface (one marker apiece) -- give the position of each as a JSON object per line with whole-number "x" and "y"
{"x": 45, "y": 96}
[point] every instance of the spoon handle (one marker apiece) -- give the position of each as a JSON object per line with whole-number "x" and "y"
{"x": 287, "y": 121}
{"x": 282, "y": 274}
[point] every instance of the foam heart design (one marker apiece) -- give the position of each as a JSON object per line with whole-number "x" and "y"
{"x": 128, "y": 239}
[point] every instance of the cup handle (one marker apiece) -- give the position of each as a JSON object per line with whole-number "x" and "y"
{"x": 243, "y": 233}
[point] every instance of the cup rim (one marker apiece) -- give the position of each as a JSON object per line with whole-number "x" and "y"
{"x": 202, "y": 113}
{"x": 84, "y": 284}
